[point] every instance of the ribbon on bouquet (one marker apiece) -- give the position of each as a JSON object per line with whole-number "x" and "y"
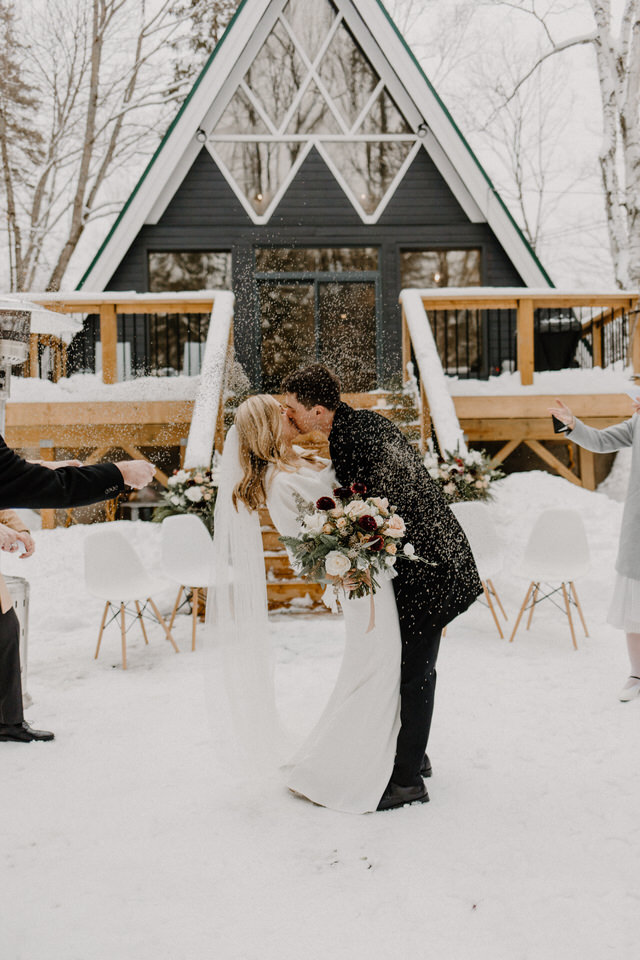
{"x": 372, "y": 614}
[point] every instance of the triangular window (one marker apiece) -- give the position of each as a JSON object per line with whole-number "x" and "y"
{"x": 312, "y": 84}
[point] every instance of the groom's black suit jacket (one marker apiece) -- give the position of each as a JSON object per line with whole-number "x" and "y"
{"x": 367, "y": 447}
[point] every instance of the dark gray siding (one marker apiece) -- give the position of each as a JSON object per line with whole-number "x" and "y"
{"x": 205, "y": 214}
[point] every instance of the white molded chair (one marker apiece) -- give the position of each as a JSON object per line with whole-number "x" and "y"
{"x": 114, "y": 572}
{"x": 487, "y": 547}
{"x": 186, "y": 547}
{"x": 556, "y": 552}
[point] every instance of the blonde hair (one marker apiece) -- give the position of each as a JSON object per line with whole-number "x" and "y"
{"x": 259, "y": 425}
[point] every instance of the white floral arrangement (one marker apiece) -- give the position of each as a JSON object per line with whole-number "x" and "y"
{"x": 467, "y": 477}
{"x": 190, "y": 491}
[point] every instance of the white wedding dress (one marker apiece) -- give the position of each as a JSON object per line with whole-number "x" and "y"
{"x": 346, "y": 761}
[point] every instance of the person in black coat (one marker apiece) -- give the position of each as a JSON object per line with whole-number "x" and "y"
{"x": 366, "y": 447}
{"x": 33, "y": 485}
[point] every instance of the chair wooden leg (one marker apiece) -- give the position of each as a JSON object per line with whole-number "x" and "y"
{"x": 175, "y": 608}
{"x": 575, "y": 597}
{"x": 497, "y": 598}
{"x": 194, "y": 616}
{"x": 533, "y": 604}
{"x": 491, "y": 607}
{"x": 123, "y": 631}
{"x": 144, "y": 632}
{"x": 568, "y": 609}
{"x": 160, "y": 619}
{"x": 522, "y": 608}
{"x": 104, "y": 618}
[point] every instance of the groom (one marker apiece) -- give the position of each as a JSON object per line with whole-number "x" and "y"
{"x": 366, "y": 447}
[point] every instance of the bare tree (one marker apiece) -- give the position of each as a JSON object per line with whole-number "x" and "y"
{"x": 98, "y": 67}
{"x": 616, "y": 52}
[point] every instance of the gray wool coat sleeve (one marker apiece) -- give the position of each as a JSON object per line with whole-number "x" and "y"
{"x": 610, "y": 439}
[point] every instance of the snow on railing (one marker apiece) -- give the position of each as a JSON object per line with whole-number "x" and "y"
{"x": 432, "y": 378}
{"x": 202, "y": 432}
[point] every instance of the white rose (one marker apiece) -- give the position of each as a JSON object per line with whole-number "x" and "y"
{"x": 172, "y": 481}
{"x": 449, "y": 488}
{"x": 336, "y": 564}
{"x": 181, "y": 476}
{"x": 175, "y": 500}
{"x": 409, "y": 550}
{"x": 389, "y": 560}
{"x": 357, "y": 508}
{"x": 395, "y": 526}
{"x": 314, "y": 522}
{"x": 194, "y": 494}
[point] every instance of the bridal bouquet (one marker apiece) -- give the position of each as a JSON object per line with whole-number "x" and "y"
{"x": 349, "y": 540}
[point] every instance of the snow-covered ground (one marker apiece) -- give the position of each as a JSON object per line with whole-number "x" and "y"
{"x": 127, "y": 837}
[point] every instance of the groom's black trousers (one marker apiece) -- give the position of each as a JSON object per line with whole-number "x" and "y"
{"x": 10, "y": 685}
{"x": 417, "y": 692}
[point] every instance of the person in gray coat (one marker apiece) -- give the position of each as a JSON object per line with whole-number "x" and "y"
{"x": 624, "y": 611}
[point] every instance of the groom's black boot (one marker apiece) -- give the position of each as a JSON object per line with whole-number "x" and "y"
{"x": 425, "y": 768}
{"x": 397, "y": 796}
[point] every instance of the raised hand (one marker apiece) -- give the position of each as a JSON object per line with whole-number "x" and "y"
{"x": 563, "y": 413}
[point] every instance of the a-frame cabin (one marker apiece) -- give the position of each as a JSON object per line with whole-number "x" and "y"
{"x": 314, "y": 170}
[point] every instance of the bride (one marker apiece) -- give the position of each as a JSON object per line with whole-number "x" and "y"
{"x": 346, "y": 761}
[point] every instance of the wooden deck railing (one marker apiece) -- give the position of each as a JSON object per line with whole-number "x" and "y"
{"x": 525, "y": 302}
{"x": 108, "y": 306}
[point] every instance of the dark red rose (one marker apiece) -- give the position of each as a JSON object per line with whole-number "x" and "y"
{"x": 343, "y": 493}
{"x": 359, "y": 488}
{"x": 367, "y": 523}
{"x": 325, "y": 503}
{"x": 376, "y": 544}
{"x": 459, "y": 462}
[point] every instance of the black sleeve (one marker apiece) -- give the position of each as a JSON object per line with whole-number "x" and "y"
{"x": 29, "y": 485}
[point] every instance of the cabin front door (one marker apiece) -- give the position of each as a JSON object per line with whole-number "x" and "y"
{"x": 329, "y": 316}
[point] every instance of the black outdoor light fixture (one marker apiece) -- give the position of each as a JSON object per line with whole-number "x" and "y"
{"x": 422, "y": 130}
{"x": 201, "y": 136}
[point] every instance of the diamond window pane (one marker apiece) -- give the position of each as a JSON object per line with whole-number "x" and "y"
{"x": 313, "y": 115}
{"x": 347, "y": 74}
{"x": 384, "y": 117}
{"x": 310, "y": 22}
{"x": 259, "y": 169}
{"x": 276, "y": 74}
{"x": 240, "y": 116}
{"x": 368, "y": 168}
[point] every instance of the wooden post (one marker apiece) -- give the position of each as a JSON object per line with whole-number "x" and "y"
{"x": 635, "y": 344}
{"x": 525, "y": 342}
{"x": 109, "y": 340}
{"x": 406, "y": 347}
{"x": 33, "y": 355}
{"x": 588, "y": 469}
{"x": 597, "y": 343}
{"x": 48, "y": 453}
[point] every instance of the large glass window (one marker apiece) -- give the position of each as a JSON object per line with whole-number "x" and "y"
{"x": 318, "y": 304}
{"x": 458, "y": 333}
{"x": 441, "y": 268}
{"x": 189, "y": 271}
{"x": 312, "y": 82}
{"x": 315, "y": 259}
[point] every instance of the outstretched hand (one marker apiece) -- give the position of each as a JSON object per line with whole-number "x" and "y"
{"x": 136, "y": 473}
{"x": 563, "y": 413}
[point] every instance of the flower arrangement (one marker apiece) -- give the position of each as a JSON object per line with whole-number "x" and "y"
{"x": 190, "y": 491}
{"x": 349, "y": 540}
{"x": 467, "y": 477}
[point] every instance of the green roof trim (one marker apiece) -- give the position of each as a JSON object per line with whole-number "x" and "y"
{"x": 160, "y": 146}
{"x": 463, "y": 139}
